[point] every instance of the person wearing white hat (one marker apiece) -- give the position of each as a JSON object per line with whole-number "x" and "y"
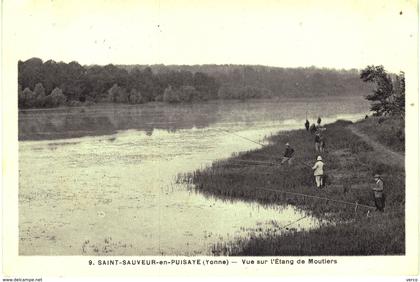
{"x": 378, "y": 193}
{"x": 318, "y": 172}
{"x": 288, "y": 154}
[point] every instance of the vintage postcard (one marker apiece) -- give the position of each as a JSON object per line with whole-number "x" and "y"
{"x": 210, "y": 138}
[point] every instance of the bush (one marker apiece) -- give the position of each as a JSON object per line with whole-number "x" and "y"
{"x": 39, "y": 92}
{"x": 171, "y": 95}
{"x": 117, "y": 94}
{"x": 28, "y": 98}
{"x": 242, "y": 93}
{"x": 135, "y": 97}
{"x": 188, "y": 93}
{"x": 228, "y": 92}
{"x": 21, "y": 97}
{"x": 389, "y": 131}
{"x": 74, "y": 103}
{"x": 159, "y": 98}
{"x": 55, "y": 99}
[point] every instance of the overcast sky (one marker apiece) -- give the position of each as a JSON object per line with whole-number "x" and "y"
{"x": 335, "y": 34}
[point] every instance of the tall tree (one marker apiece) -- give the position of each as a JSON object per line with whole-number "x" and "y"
{"x": 28, "y": 98}
{"x": 39, "y": 93}
{"x": 56, "y": 98}
{"x": 386, "y": 98}
{"x": 30, "y": 72}
{"x": 399, "y": 102}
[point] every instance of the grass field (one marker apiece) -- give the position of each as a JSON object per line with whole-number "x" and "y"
{"x": 350, "y": 164}
{"x": 387, "y": 131}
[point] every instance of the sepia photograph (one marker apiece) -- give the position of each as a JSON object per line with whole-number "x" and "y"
{"x": 189, "y": 132}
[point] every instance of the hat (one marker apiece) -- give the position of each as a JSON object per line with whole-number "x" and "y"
{"x": 287, "y": 144}
{"x": 319, "y": 158}
{"x": 376, "y": 176}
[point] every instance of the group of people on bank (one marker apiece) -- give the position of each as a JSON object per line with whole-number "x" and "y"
{"x": 318, "y": 167}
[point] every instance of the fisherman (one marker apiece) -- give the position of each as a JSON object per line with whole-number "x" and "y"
{"x": 288, "y": 154}
{"x": 321, "y": 144}
{"x": 312, "y": 128}
{"x": 318, "y": 141}
{"x": 378, "y": 193}
{"x": 319, "y": 121}
{"x": 318, "y": 169}
{"x": 307, "y": 125}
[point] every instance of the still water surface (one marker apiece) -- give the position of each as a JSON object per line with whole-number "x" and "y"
{"x": 102, "y": 180}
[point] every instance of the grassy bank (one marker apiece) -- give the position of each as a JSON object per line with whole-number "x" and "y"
{"x": 387, "y": 131}
{"x": 350, "y": 164}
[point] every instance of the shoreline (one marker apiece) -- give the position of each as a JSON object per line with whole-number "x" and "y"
{"x": 214, "y": 101}
{"x": 63, "y": 123}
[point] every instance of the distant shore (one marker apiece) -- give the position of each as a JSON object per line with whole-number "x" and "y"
{"x": 108, "y": 118}
{"x": 49, "y": 84}
{"x": 87, "y": 105}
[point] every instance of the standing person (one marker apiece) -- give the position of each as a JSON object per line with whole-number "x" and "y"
{"x": 378, "y": 193}
{"x": 322, "y": 143}
{"x": 319, "y": 121}
{"x": 318, "y": 169}
{"x": 312, "y": 128}
{"x": 307, "y": 125}
{"x": 288, "y": 154}
{"x": 318, "y": 141}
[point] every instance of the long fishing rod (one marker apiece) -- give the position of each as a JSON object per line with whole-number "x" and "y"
{"x": 296, "y": 160}
{"x": 243, "y": 137}
{"x": 293, "y": 222}
{"x": 316, "y": 197}
{"x": 305, "y": 164}
{"x": 256, "y": 162}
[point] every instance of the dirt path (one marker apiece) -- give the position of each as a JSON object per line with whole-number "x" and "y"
{"x": 384, "y": 152}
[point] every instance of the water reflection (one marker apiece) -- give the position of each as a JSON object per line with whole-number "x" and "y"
{"x": 102, "y": 120}
{"x": 99, "y": 120}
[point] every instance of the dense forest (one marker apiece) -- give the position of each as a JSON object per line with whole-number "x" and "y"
{"x": 52, "y": 84}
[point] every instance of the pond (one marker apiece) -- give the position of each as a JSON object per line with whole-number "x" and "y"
{"x": 102, "y": 180}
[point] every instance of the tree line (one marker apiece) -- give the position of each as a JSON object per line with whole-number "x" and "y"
{"x": 290, "y": 82}
{"x": 52, "y": 84}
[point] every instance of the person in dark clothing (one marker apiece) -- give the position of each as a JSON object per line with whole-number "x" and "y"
{"x": 312, "y": 128}
{"x": 318, "y": 142}
{"x": 378, "y": 193}
{"x": 319, "y": 121}
{"x": 322, "y": 144}
{"x": 307, "y": 125}
{"x": 288, "y": 154}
